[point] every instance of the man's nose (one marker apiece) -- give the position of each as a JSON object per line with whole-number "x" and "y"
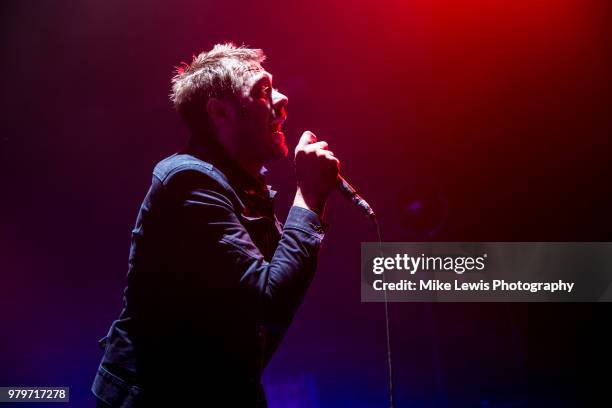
{"x": 279, "y": 101}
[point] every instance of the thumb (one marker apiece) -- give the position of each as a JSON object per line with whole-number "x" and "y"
{"x": 307, "y": 138}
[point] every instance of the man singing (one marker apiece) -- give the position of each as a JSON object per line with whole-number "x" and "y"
{"x": 214, "y": 278}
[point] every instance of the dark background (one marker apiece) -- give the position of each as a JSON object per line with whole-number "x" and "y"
{"x": 458, "y": 121}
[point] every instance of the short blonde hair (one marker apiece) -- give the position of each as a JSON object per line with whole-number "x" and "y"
{"x": 221, "y": 73}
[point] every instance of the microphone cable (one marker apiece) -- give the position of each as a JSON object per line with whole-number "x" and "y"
{"x": 387, "y": 320}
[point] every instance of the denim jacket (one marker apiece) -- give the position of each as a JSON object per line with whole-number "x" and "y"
{"x": 213, "y": 282}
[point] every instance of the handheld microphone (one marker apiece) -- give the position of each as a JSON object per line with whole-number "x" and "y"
{"x": 350, "y": 193}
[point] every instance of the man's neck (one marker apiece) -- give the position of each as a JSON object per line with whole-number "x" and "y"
{"x": 251, "y": 167}
{"x": 247, "y": 164}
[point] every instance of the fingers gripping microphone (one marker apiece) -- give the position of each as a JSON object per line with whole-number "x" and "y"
{"x": 349, "y": 192}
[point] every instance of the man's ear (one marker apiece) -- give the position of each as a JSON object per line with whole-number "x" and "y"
{"x": 219, "y": 111}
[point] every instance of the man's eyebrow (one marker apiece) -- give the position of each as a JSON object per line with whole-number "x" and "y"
{"x": 266, "y": 75}
{"x": 263, "y": 78}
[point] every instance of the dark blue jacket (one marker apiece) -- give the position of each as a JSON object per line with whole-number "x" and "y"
{"x": 213, "y": 283}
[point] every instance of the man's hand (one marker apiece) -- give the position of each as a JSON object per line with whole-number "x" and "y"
{"x": 317, "y": 171}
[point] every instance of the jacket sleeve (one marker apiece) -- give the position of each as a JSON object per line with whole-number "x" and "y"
{"x": 210, "y": 236}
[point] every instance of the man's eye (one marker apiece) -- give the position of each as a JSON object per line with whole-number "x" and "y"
{"x": 266, "y": 91}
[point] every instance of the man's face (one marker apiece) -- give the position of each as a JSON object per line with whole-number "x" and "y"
{"x": 260, "y": 118}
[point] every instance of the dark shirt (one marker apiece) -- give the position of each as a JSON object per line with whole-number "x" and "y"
{"x": 214, "y": 280}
